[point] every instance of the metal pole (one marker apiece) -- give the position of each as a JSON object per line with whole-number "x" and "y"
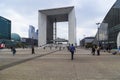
{"x": 98, "y": 36}
{"x": 98, "y": 33}
{"x": 55, "y": 31}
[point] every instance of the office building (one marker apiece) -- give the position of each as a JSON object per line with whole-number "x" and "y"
{"x": 31, "y": 32}
{"x": 48, "y": 17}
{"x": 112, "y": 21}
{"x": 36, "y": 34}
{"x": 87, "y": 42}
{"x": 5, "y": 28}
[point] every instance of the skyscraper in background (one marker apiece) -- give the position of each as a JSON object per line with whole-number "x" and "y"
{"x": 5, "y": 28}
{"x": 31, "y": 32}
{"x": 36, "y": 34}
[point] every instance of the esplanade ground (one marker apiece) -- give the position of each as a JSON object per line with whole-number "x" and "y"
{"x": 52, "y": 64}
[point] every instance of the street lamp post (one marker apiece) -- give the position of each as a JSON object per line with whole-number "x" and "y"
{"x": 84, "y": 40}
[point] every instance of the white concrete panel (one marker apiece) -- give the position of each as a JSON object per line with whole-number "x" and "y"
{"x": 56, "y": 11}
{"x": 44, "y": 25}
{"x": 72, "y": 27}
{"x": 42, "y": 22}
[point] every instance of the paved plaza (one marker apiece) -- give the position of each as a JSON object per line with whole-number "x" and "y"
{"x": 52, "y": 64}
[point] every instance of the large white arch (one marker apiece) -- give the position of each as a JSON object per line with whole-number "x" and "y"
{"x": 46, "y": 18}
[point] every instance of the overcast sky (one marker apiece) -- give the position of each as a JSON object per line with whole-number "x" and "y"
{"x": 23, "y": 13}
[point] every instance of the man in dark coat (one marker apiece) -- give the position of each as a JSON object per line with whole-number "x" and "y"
{"x": 72, "y": 50}
{"x": 33, "y": 51}
{"x": 93, "y": 50}
{"x": 14, "y": 51}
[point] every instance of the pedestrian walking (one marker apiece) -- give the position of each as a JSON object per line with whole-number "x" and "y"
{"x": 72, "y": 50}
{"x": 13, "y": 50}
{"x": 93, "y": 50}
{"x": 98, "y": 50}
{"x": 33, "y": 51}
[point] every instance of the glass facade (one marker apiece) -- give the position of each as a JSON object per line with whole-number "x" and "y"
{"x": 31, "y": 31}
{"x": 113, "y": 20}
{"x": 103, "y": 32}
{"x": 5, "y": 28}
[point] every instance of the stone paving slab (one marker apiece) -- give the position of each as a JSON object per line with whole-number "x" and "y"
{"x": 22, "y": 55}
{"x": 59, "y": 66}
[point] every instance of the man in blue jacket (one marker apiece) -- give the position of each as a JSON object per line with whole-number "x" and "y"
{"x": 72, "y": 50}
